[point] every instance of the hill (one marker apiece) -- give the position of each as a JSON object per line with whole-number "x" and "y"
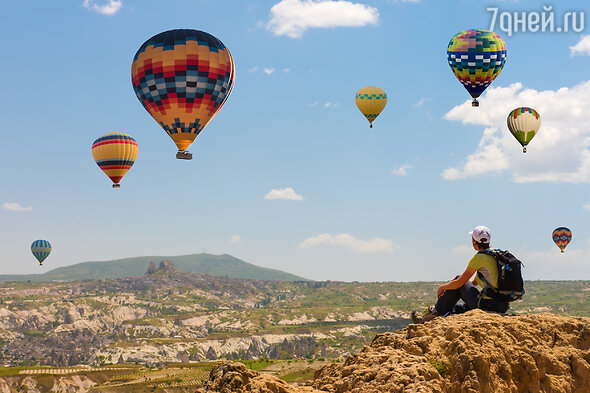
{"x": 216, "y": 265}
{"x": 468, "y": 353}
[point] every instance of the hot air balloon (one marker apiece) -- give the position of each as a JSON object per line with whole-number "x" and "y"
{"x": 524, "y": 123}
{"x": 370, "y": 100}
{"x": 476, "y": 58}
{"x": 562, "y": 237}
{"x": 183, "y": 78}
{"x": 41, "y": 250}
{"x": 115, "y": 154}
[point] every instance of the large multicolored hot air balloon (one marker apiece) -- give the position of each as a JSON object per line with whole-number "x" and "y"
{"x": 183, "y": 78}
{"x": 562, "y": 237}
{"x": 524, "y": 123}
{"x": 370, "y": 100}
{"x": 41, "y": 250}
{"x": 476, "y": 58}
{"x": 115, "y": 154}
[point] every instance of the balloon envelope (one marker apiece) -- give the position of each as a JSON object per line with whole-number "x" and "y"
{"x": 370, "y": 100}
{"x": 41, "y": 250}
{"x": 562, "y": 236}
{"x": 182, "y": 78}
{"x": 524, "y": 123}
{"x": 476, "y": 58}
{"x": 115, "y": 153}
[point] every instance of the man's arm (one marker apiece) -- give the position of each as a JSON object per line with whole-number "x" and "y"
{"x": 457, "y": 283}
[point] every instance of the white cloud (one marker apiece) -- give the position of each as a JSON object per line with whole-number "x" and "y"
{"x": 283, "y": 193}
{"x": 293, "y": 17}
{"x": 463, "y": 250}
{"x": 347, "y": 241}
{"x": 422, "y": 101}
{"x": 560, "y": 152}
{"x": 582, "y": 48}
{"x": 235, "y": 239}
{"x": 15, "y": 207}
{"x": 331, "y": 104}
{"x": 253, "y": 69}
{"x": 269, "y": 71}
{"x": 286, "y": 70}
{"x": 315, "y": 103}
{"x": 110, "y": 8}
{"x": 540, "y": 264}
{"x": 402, "y": 170}
{"x": 586, "y": 206}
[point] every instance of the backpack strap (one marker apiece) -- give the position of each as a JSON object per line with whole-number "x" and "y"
{"x": 488, "y": 287}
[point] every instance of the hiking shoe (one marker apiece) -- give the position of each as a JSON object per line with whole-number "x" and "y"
{"x": 426, "y": 316}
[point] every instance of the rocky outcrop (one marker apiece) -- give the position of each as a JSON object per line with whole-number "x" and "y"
{"x": 167, "y": 266}
{"x": 29, "y": 384}
{"x": 470, "y": 353}
{"x": 236, "y": 378}
{"x": 151, "y": 269}
{"x": 476, "y": 352}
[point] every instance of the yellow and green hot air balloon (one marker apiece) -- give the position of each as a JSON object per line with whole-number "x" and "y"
{"x": 370, "y": 100}
{"x": 524, "y": 123}
{"x": 183, "y": 78}
{"x": 115, "y": 153}
{"x": 476, "y": 57}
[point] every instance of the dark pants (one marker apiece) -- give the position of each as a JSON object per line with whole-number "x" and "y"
{"x": 447, "y": 303}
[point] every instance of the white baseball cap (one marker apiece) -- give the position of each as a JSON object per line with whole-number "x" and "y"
{"x": 481, "y": 234}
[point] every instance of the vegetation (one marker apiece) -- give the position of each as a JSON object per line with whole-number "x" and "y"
{"x": 217, "y": 265}
{"x": 441, "y": 367}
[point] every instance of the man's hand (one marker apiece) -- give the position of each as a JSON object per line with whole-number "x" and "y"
{"x": 440, "y": 291}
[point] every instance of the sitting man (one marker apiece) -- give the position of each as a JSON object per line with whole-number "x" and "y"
{"x": 461, "y": 288}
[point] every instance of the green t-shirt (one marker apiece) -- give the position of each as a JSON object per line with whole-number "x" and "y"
{"x": 486, "y": 265}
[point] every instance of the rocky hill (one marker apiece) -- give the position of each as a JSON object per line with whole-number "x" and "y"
{"x": 469, "y": 353}
{"x": 216, "y": 265}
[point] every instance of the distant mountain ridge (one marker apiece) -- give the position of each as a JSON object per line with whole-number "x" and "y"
{"x": 217, "y": 265}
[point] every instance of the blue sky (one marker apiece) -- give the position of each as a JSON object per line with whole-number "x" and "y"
{"x": 288, "y": 175}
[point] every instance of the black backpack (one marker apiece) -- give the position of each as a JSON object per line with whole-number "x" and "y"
{"x": 510, "y": 284}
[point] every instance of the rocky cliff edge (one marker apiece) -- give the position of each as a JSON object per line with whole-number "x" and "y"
{"x": 469, "y": 353}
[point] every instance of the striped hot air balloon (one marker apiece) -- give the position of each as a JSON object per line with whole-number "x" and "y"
{"x": 41, "y": 250}
{"x": 562, "y": 236}
{"x": 115, "y": 153}
{"x": 370, "y": 100}
{"x": 524, "y": 123}
{"x": 476, "y": 57}
{"x": 183, "y": 78}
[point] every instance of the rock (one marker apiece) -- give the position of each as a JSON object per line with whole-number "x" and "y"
{"x": 211, "y": 354}
{"x": 151, "y": 269}
{"x": 230, "y": 377}
{"x": 183, "y": 356}
{"x": 29, "y": 385}
{"x": 468, "y": 353}
{"x": 167, "y": 266}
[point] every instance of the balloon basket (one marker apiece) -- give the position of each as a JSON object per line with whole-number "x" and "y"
{"x": 524, "y": 149}
{"x": 370, "y": 125}
{"x": 475, "y": 103}
{"x": 116, "y": 185}
{"x": 184, "y": 155}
